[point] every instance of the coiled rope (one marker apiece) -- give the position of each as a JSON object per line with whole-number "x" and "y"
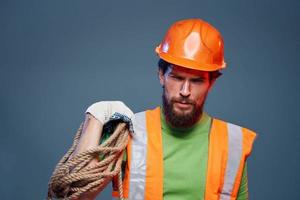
{"x": 71, "y": 178}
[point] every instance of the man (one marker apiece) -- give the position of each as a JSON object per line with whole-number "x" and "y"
{"x": 179, "y": 151}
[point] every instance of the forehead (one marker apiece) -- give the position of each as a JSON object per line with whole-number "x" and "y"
{"x": 186, "y": 72}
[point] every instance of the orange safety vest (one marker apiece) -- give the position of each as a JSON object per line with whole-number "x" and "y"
{"x": 229, "y": 147}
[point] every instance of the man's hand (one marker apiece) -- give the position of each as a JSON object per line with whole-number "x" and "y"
{"x": 103, "y": 110}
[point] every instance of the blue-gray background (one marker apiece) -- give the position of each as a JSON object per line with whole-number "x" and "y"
{"x": 58, "y": 57}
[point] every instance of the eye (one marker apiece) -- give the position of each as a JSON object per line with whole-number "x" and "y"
{"x": 198, "y": 80}
{"x": 175, "y": 77}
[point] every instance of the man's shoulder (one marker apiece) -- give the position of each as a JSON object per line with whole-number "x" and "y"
{"x": 235, "y": 133}
{"x": 233, "y": 125}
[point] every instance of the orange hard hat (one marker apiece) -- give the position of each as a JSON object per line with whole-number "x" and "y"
{"x": 194, "y": 44}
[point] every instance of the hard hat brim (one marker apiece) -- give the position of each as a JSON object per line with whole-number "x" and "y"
{"x": 182, "y": 62}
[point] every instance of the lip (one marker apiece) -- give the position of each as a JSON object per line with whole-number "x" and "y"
{"x": 183, "y": 105}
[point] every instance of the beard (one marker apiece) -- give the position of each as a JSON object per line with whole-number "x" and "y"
{"x": 184, "y": 119}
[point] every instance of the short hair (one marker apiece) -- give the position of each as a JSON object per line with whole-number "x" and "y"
{"x": 164, "y": 65}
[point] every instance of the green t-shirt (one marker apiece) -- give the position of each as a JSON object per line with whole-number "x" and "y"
{"x": 185, "y": 155}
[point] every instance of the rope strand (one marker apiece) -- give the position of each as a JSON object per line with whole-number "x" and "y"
{"x": 71, "y": 178}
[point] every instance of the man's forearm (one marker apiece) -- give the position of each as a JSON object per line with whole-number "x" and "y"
{"x": 90, "y": 138}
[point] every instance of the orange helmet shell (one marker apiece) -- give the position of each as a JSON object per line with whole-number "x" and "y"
{"x": 194, "y": 44}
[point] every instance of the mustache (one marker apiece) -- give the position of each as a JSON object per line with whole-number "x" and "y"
{"x": 183, "y": 100}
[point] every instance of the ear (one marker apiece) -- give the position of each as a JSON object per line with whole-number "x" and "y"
{"x": 212, "y": 82}
{"x": 161, "y": 77}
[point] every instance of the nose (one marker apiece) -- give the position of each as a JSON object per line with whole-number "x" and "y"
{"x": 185, "y": 89}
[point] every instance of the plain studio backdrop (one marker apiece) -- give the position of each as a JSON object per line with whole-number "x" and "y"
{"x": 58, "y": 57}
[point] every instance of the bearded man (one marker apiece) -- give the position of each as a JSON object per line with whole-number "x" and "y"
{"x": 178, "y": 151}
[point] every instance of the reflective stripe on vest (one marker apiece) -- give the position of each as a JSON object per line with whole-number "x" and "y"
{"x": 229, "y": 147}
{"x": 138, "y": 158}
{"x": 235, "y": 138}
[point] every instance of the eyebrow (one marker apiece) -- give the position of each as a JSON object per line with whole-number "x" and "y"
{"x": 197, "y": 77}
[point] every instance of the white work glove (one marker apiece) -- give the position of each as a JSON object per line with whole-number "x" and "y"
{"x": 103, "y": 110}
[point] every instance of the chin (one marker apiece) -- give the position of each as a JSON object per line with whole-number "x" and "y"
{"x": 181, "y": 113}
